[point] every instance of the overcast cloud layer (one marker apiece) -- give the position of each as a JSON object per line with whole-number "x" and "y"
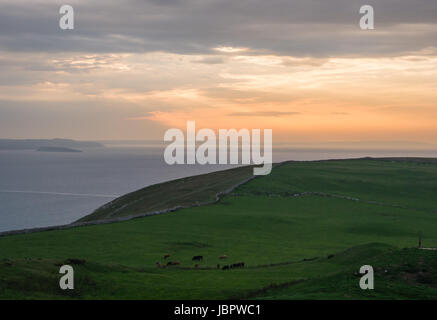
{"x": 290, "y": 27}
{"x": 131, "y": 69}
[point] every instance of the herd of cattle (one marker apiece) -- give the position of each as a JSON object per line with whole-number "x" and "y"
{"x": 199, "y": 258}
{"x": 232, "y": 266}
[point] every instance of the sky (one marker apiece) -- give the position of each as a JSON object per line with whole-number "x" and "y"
{"x": 305, "y": 69}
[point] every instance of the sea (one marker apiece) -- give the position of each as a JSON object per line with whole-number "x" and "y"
{"x": 40, "y": 189}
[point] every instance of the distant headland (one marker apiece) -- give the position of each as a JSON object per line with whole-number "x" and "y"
{"x": 47, "y": 145}
{"x": 57, "y": 149}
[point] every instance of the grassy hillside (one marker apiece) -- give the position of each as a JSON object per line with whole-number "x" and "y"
{"x": 400, "y": 274}
{"x": 184, "y": 192}
{"x": 283, "y": 226}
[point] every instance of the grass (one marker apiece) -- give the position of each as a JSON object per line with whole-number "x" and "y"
{"x": 400, "y": 274}
{"x": 184, "y": 192}
{"x": 276, "y": 234}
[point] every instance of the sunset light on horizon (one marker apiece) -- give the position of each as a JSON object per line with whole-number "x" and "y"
{"x": 337, "y": 84}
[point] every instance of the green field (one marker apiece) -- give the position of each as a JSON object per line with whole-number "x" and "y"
{"x": 303, "y": 232}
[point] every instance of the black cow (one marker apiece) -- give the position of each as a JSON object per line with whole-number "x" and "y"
{"x": 225, "y": 268}
{"x": 197, "y": 258}
{"x": 237, "y": 265}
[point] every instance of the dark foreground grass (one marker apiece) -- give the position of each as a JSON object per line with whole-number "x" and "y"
{"x": 277, "y": 235}
{"x": 399, "y": 274}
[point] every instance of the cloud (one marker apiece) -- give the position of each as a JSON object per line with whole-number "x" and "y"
{"x": 74, "y": 119}
{"x": 285, "y": 27}
{"x": 211, "y": 60}
{"x": 220, "y": 62}
{"x": 88, "y": 62}
{"x": 263, "y": 114}
{"x": 231, "y": 49}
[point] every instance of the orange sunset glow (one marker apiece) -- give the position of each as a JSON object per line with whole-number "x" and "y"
{"x": 340, "y": 84}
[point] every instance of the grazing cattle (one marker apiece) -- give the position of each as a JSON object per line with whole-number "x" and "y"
{"x": 159, "y": 265}
{"x": 166, "y": 256}
{"x": 223, "y": 257}
{"x": 225, "y": 268}
{"x": 238, "y": 265}
{"x": 173, "y": 263}
{"x": 197, "y": 258}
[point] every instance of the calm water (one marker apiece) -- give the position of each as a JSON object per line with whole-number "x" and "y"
{"x": 41, "y": 189}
